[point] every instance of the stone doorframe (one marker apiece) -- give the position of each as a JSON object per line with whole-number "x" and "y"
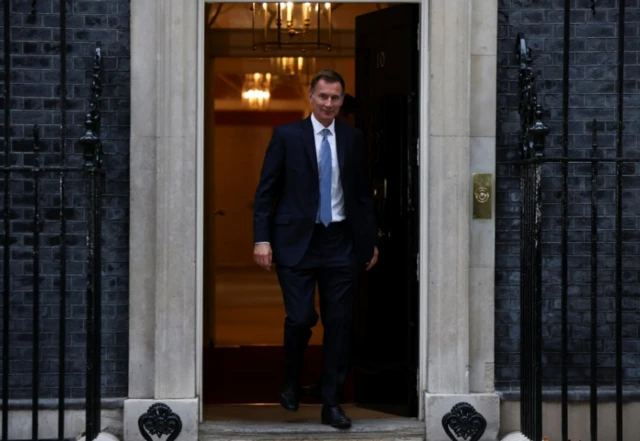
{"x": 458, "y": 54}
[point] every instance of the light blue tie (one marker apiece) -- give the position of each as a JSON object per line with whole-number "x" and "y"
{"x": 325, "y": 179}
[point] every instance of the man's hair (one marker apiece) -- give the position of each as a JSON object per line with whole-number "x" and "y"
{"x": 329, "y": 76}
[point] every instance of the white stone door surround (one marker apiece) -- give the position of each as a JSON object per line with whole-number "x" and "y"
{"x": 458, "y": 42}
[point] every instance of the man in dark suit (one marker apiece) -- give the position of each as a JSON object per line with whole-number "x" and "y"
{"x": 314, "y": 219}
{"x": 347, "y": 110}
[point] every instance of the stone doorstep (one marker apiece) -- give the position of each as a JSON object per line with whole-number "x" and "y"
{"x": 388, "y": 429}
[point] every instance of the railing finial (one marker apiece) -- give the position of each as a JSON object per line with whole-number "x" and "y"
{"x": 538, "y": 132}
{"x": 91, "y": 137}
{"x": 533, "y": 130}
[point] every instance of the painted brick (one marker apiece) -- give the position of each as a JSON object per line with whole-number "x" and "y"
{"x": 592, "y": 87}
{"x": 35, "y": 75}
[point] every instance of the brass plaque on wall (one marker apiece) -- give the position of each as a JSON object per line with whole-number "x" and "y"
{"x": 482, "y": 193}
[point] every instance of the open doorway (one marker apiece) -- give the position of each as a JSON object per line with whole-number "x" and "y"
{"x": 243, "y": 312}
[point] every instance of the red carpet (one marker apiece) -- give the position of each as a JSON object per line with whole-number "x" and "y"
{"x": 253, "y": 374}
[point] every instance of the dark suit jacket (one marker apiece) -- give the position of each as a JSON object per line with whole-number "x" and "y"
{"x": 288, "y": 194}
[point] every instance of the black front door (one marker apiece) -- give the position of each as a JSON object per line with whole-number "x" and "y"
{"x": 386, "y": 337}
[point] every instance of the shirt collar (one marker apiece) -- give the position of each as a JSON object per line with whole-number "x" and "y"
{"x": 318, "y": 127}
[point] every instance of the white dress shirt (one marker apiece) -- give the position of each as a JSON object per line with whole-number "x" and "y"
{"x": 337, "y": 195}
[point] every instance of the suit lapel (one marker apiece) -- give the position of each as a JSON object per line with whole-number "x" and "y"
{"x": 341, "y": 144}
{"x": 309, "y": 143}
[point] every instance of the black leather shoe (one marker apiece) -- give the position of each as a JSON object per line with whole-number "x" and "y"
{"x": 289, "y": 397}
{"x": 335, "y": 417}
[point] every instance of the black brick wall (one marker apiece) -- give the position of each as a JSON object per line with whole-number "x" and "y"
{"x": 35, "y": 92}
{"x": 592, "y": 95}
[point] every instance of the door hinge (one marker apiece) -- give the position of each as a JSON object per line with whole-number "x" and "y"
{"x": 418, "y": 267}
{"x": 418, "y": 152}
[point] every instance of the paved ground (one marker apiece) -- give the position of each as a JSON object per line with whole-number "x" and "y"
{"x": 274, "y": 413}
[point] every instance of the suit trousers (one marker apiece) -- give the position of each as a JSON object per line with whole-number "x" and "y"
{"x": 329, "y": 262}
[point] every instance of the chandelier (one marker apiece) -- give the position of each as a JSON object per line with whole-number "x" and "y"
{"x": 256, "y": 90}
{"x": 294, "y": 69}
{"x": 302, "y": 25}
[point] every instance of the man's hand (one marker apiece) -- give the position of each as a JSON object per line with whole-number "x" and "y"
{"x": 373, "y": 260}
{"x": 262, "y": 255}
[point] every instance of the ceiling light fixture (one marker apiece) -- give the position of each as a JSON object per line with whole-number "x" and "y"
{"x": 301, "y": 25}
{"x": 256, "y": 90}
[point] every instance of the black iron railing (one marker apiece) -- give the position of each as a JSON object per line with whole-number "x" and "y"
{"x": 92, "y": 174}
{"x": 531, "y": 164}
{"x": 531, "y": 149}
{"x": 90, "y": 140}
{"x": 7, "y": 225}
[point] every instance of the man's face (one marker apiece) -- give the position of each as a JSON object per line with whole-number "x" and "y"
{"x": 326, "y": 99}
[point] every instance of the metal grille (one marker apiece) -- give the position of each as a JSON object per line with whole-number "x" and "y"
{"x": 79, "y": 187}
{"x": 533, "y": 165}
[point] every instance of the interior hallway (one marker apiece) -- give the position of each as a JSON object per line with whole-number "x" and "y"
{"x": 246, "y": 362}
{"x": 249, "y": 310}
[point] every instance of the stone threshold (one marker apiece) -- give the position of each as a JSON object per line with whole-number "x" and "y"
{"x": 398, "y": 429}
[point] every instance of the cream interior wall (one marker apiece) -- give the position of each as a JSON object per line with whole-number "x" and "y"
{"x": 236, "y": 161}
